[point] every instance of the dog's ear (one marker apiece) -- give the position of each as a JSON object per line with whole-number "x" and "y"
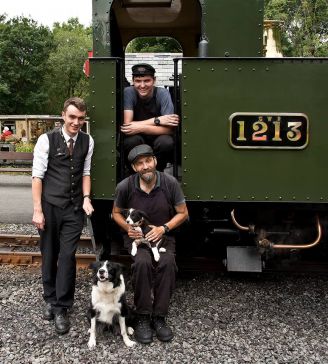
{"x": 125, "y": 212}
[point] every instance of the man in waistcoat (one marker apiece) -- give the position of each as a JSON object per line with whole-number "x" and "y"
{"x": 61, "y": 195}
{"x": 160, "y": 196}
{"x": 148, "y": 115}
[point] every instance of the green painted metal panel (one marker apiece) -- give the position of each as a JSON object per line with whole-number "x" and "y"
{"x": 101, "y": 26}
{"x": 102, "y": 104}
{"x": 213, "y": 89}
{"x": 234, "y": 27}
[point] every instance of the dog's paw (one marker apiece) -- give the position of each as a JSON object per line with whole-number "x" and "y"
{"x": 92, "y": 343}
{"x": 162, "y": 250}
{"x": 129, "y": 343}
{"x": 130, "y": 330}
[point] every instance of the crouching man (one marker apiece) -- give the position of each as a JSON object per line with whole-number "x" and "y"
{"x": 160, "y": 196}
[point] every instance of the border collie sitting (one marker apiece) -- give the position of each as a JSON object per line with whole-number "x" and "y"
{"x": 108, "y": 300}
{"x": 139, "y": 221}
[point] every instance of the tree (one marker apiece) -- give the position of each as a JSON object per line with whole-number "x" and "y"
{"x": 66, "y": 78}
{"x": 305, "y": 26}
{"x": 24, "y": 52}
{"x": 154, "y": 44}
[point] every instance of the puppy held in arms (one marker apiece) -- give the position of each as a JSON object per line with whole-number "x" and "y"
{"x": 108, "y": 301}
{"x": 139, "y": 221}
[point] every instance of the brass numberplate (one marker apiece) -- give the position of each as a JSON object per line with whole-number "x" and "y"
{"x": 269, "y": 130}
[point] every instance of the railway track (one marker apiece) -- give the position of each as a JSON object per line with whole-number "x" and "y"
{"x": 23, "y": 250}
{"x": 13, "y": 251}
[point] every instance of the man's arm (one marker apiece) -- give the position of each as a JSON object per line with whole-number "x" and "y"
{"x": 38, "y": 217}
{"x": 86, "y": 188}
{"x": 86, "y": 179}
{"x": 131, "y": 127}
{"x": 158, "y": 231}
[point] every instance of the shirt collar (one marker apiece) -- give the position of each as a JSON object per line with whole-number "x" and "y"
{"x": 67, "y": 137}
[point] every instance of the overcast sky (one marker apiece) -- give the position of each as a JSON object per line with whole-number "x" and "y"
{"x": 46, "y": 12}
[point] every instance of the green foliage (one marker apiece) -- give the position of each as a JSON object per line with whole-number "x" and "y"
{"x": 65, "y": 77}
{"x": 305, "y": 28}
{"x": 24, "y": 51}
{"x": 24, "y": 147}
{"x": 154, "y": 45}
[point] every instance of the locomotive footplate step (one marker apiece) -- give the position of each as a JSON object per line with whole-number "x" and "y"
{"x": 243, "y": 259}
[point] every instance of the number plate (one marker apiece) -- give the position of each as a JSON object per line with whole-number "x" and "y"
{"x": 269, "y": 130}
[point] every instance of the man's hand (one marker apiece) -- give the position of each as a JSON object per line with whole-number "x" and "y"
{"x": 87, "y": 207}
{"x": 134, "y": 234}
{"x": 131, "y": 129}
{"x": 169, "y": 120}
{"x": 38, "y": 220}
{"x": 155, "y": 233}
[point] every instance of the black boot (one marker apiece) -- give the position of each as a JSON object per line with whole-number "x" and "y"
{"x": 62, "y": 324}
{"x": 163, "y": 332}
{"x": 48, "y": 313}
{"x": 143, "y": 332}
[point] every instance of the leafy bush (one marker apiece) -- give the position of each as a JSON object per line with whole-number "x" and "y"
{"x": 24, "y": 147}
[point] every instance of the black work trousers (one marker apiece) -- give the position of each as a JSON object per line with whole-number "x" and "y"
{"x": 153, "y": 282}
{"x": 58, "y": 243}
{"x": 162, "y": 145}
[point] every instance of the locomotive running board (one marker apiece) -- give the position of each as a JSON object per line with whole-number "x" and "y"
{"x": 243, "y": 259}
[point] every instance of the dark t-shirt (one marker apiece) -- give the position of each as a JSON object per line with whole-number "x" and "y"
{"x": 163, "y": 99}
{"x": 158, "y": 204}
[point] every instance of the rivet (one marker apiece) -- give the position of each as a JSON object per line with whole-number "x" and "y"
{"x": 212, "y": 69}
{"x": 280, "y": 198}
{"x": 266, "y": 197}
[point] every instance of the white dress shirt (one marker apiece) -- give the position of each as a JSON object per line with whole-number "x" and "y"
{"x": 41, "y": 152}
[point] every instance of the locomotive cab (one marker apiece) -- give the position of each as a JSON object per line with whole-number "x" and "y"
{"x": 251, "y": 145}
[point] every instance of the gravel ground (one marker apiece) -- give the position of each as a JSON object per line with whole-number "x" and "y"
{"x": 216, "y": 319}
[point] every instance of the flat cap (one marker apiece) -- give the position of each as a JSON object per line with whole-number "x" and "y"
{"x": 143, "y": 69}
{"x": 138, "y": 151}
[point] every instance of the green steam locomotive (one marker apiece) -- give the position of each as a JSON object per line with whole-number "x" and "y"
{"x": 251, "y": 149}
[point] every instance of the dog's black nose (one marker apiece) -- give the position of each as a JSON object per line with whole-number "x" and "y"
{"x": 101, "y": 271}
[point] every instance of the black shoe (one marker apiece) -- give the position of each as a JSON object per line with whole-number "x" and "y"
{"x": 62, "y": 324}
{"x": 48, "y": 313}
{"x": 163, "y": 332}
{"x": 143, "y": 332}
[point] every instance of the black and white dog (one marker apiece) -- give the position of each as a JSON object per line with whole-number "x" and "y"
{"x": 140, "y": 221}
{"x": 108, "y": 300}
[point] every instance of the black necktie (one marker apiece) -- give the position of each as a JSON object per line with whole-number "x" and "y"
{"x": 70, "y": 146}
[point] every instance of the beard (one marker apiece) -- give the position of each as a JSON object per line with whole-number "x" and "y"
{"x": 148, "y": 176}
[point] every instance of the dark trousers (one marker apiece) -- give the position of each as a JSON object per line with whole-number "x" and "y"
{"x": 58, "y": 243}
{"x": 150, "y": 277}
{"x": 161, "y": 144}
